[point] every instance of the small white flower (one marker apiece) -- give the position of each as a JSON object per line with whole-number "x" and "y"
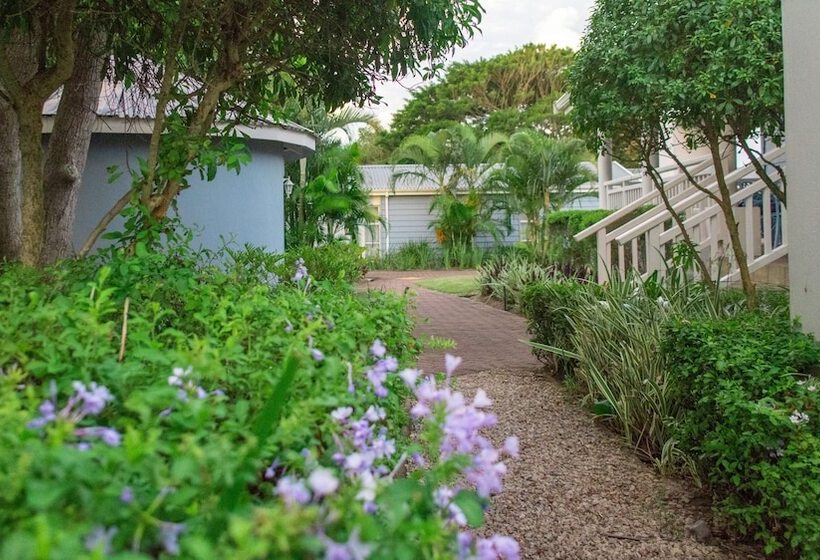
{"x": 798, "y": 418}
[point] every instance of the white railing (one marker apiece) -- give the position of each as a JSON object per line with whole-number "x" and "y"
{"x": 626, "y": 190}
{"x": 643, "y": 242}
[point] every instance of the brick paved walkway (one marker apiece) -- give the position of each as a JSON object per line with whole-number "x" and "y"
{"x": 487, "y": 338}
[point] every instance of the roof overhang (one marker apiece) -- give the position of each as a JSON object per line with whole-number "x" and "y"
{"x": 296, "y": 143}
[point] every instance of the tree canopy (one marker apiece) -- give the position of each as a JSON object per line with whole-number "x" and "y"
{"x": 200, "y": 62}
{"x": 498, "y": 94}
{"x": 712, "y": 69}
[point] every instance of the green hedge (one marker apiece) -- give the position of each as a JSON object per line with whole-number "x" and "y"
{"x": 548, "y": 306}
{"x": 752, "y": 423}
{"x": 562, "y": 249}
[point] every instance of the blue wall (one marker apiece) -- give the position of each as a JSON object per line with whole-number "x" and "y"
{"x": 245, "y": 208}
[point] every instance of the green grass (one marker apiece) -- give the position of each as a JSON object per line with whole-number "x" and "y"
{"x": 463, "y": 286}
{"x": 434, "y": 342}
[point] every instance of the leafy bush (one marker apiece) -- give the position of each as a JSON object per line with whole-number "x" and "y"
{"x": 753, "y": 422}
{"x": 336, "y": 261}
{"x": 160, "y": 405}
{"x": 508, "y": 278}
{"x": 562, "y": 249}
{"x": 414, "y": 255}
{"x": 614, "y": 340}
{"x": 548, "y": 307}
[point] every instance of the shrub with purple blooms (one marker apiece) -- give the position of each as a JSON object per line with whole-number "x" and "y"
{"x": 156, "y": 406}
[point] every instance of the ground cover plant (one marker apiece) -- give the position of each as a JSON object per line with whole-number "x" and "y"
{"x": 208, "y": 406}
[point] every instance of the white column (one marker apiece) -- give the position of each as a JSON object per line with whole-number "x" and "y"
{"x": 604, "y": 173}
{"x": 801, "y": 20}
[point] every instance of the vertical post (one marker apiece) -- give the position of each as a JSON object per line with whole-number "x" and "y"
{"x": 301, "y": 210}
{"x": 801, "y": 43}
{"x": 604, "y": 173}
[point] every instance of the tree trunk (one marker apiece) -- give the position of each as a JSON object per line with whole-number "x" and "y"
{"x": 731, "y": 223}
{"x": 31, "y": 183}
{"x": 10, "y": 219}
{"x": 68, "y": 148}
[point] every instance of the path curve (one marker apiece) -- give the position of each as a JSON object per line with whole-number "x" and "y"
{"x": 575, "y": 492}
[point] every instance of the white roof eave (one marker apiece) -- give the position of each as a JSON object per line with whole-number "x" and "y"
{"x": 296, "y": 144}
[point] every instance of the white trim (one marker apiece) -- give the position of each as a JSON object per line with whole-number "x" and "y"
{"x": 296, "y": 144}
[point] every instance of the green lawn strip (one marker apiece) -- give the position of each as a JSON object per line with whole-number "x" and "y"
{"x": 463, "y": 286}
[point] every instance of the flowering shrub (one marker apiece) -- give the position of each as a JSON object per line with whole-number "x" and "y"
{"x": 156, "y": 406}
{"x": 752, "y": 421}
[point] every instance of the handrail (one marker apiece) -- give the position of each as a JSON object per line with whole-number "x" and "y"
{"x": 696, "y": 196}
{"x": 632, "y": 206}
{"x": 661, "y": 170}
{"x": 707, "y": 213}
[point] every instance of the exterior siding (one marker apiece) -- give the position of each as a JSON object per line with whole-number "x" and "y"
{"x": 244, "y": 208}
{"x": 589, "y": 202}
{"x": 409, "y": 220}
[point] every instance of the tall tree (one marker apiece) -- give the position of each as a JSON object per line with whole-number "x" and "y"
{"x": 713, "y": 69}
{"x": 499, "y": 94}
{"x": 540, "y": 174}
{"x": 204, "y": 62}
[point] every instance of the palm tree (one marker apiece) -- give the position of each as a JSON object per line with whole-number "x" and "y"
{"x": 540, "y": 174}
{"x": 458, "y": 162}
{"x": 328, "y": 196}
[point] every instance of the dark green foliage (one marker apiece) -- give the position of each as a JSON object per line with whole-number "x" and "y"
{"x": 414, "y": 255}
{"x": 562, "y": 249}
{"x": 502, "y": 94}
{"x": 548, "y": 307}
{"x": 241, "y": 332}
{"x": 740, "y": 380}
{"x": 337, "y": 261}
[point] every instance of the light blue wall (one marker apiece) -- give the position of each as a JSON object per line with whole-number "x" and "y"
{"x": 247, "y": 208}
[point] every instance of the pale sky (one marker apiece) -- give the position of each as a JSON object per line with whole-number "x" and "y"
{"x": 507, "y": 24}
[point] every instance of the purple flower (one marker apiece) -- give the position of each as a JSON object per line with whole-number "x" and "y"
{"x": 341, "y": 414}
{"x": 375, "y": 413}
{"x": 465, "y": 542}
{"x": 337, "y": 551}
{"x": 377, "y": 349}
{"x": 292, "y": 491}
{"x": 100, "y": 539}
{"x": 409, "y": 376}
{"x": 323, "y": 482}
{"x": 169, "y": 535}
{"x": 177, "y": 377}
{"x": 317, "y": 354}
{"x": 301, "y": 271}
{"x": 451, "y": 363}
{"x": 109, "y": 436}
{"x": 127, "y": 495}
{"x": 481, "y": 400}
{"x": 93, "y": 398}
{"x": 498, "y": 547}
{"x": 511, "y": 446}
{"x": 353, "y": 549}
{"x": 288, "y": 327}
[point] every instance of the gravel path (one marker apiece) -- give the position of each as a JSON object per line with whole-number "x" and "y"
{"x": 575, "y": 492}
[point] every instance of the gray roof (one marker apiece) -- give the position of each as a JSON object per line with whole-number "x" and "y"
{"x": 136, "y": 102}
{"x": 377, "y": 178}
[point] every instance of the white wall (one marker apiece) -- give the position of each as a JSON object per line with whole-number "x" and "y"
{"x": 801, "y": 22}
